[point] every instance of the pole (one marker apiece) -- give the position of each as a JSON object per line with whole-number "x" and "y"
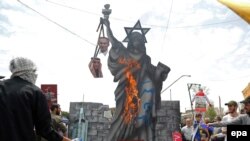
{"x": 220, "y": 105}
{"x": 170, "y": 95}
{"x": 97, "y": 45}
{"x": 175, "y": 82}
{"x": 189, "y": 87}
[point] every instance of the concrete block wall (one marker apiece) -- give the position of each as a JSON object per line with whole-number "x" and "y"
{"x": 168, "y": 120}
{"x": 98, "y": 124}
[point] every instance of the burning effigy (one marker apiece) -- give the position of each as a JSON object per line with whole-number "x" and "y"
{"x": 139, "y": 86}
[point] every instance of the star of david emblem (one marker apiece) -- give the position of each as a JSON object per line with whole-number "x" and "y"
{"x": 137, "y": 26}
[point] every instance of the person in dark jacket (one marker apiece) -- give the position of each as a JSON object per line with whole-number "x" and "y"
{"x": 23, "y": 108}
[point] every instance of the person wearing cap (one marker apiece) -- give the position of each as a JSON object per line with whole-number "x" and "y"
{"x": 243, "y": 119}
{"x": 246, "y": 103}
{"x": 23, "y": 106}
{"x": 232, "y": 114}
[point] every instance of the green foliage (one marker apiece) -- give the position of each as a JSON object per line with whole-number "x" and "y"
{"x": 211, "y": 113}
{"x": 65, "y": 114}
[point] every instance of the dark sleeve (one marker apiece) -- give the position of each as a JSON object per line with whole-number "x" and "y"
{"x": 58, "y": 123}
{"x": 62, "y": 127}
{"x": 42, "y": 118}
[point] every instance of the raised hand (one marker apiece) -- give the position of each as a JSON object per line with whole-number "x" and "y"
{"x": 105, "y": 22}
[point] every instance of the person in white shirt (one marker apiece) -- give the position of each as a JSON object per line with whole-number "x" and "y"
{"x": 232, "y": 114}
{"x": 187, "y": 130}
{"x": 243, "y": 119}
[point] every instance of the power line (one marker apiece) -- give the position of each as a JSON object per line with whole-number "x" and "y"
{"x": 230, "y": 79}
{"x": 169, "y": 16}
{"x": 85, "y": 11}
{"x": 209, "y": 24}
{"x": 66, "y": 29}
{"x": 152, "y": 25}
{"x": 72, "y": 8}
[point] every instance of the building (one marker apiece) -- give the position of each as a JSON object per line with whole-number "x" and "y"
{"x": 246, "y": 91}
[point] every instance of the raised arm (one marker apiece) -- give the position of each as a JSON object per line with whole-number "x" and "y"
{"x": 236, "y": 121}
{"x": 115, "y": 43}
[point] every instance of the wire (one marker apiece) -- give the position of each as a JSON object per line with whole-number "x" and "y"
{"x": 88, "y": 12}
{"x": 209, "y": 24}
{"x": 169, "y": 16}
{"x": 158, "y": 26}
{"x": 236, "y": 78}
{"x": 66, "y": 29}
{"x": 62, "y": 5}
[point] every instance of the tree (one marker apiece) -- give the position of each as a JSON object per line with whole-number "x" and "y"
{"x": 65, "y": 114}
{"x": 211, "y": 113}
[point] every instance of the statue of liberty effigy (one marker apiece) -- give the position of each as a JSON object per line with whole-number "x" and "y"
{"x": 138, "y": 92}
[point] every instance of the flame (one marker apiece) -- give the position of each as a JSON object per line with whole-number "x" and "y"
{"x": 132, "y": 102}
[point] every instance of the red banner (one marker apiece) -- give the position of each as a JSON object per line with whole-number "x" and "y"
{"x": 50, "y": 91}
{"x": 176, "y": 136}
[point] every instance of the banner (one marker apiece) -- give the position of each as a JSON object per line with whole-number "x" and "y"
{"x": 200, "y": 100}
{"x": 50, "y": 91}
{"x": 200, "y": 104}
{"x": 176, "y": 136}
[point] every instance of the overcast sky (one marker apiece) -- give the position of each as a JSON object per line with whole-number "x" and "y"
{"x": 201, "y": 38}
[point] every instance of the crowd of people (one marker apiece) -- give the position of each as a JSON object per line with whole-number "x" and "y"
{"x": 203, "y": 129}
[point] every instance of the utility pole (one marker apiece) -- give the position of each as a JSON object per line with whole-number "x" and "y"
{"x": 220, "y": 106}
{"x": 175, "y": 82}
{"x": 189, "y": 87}
{"x": 170, "y": 95}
